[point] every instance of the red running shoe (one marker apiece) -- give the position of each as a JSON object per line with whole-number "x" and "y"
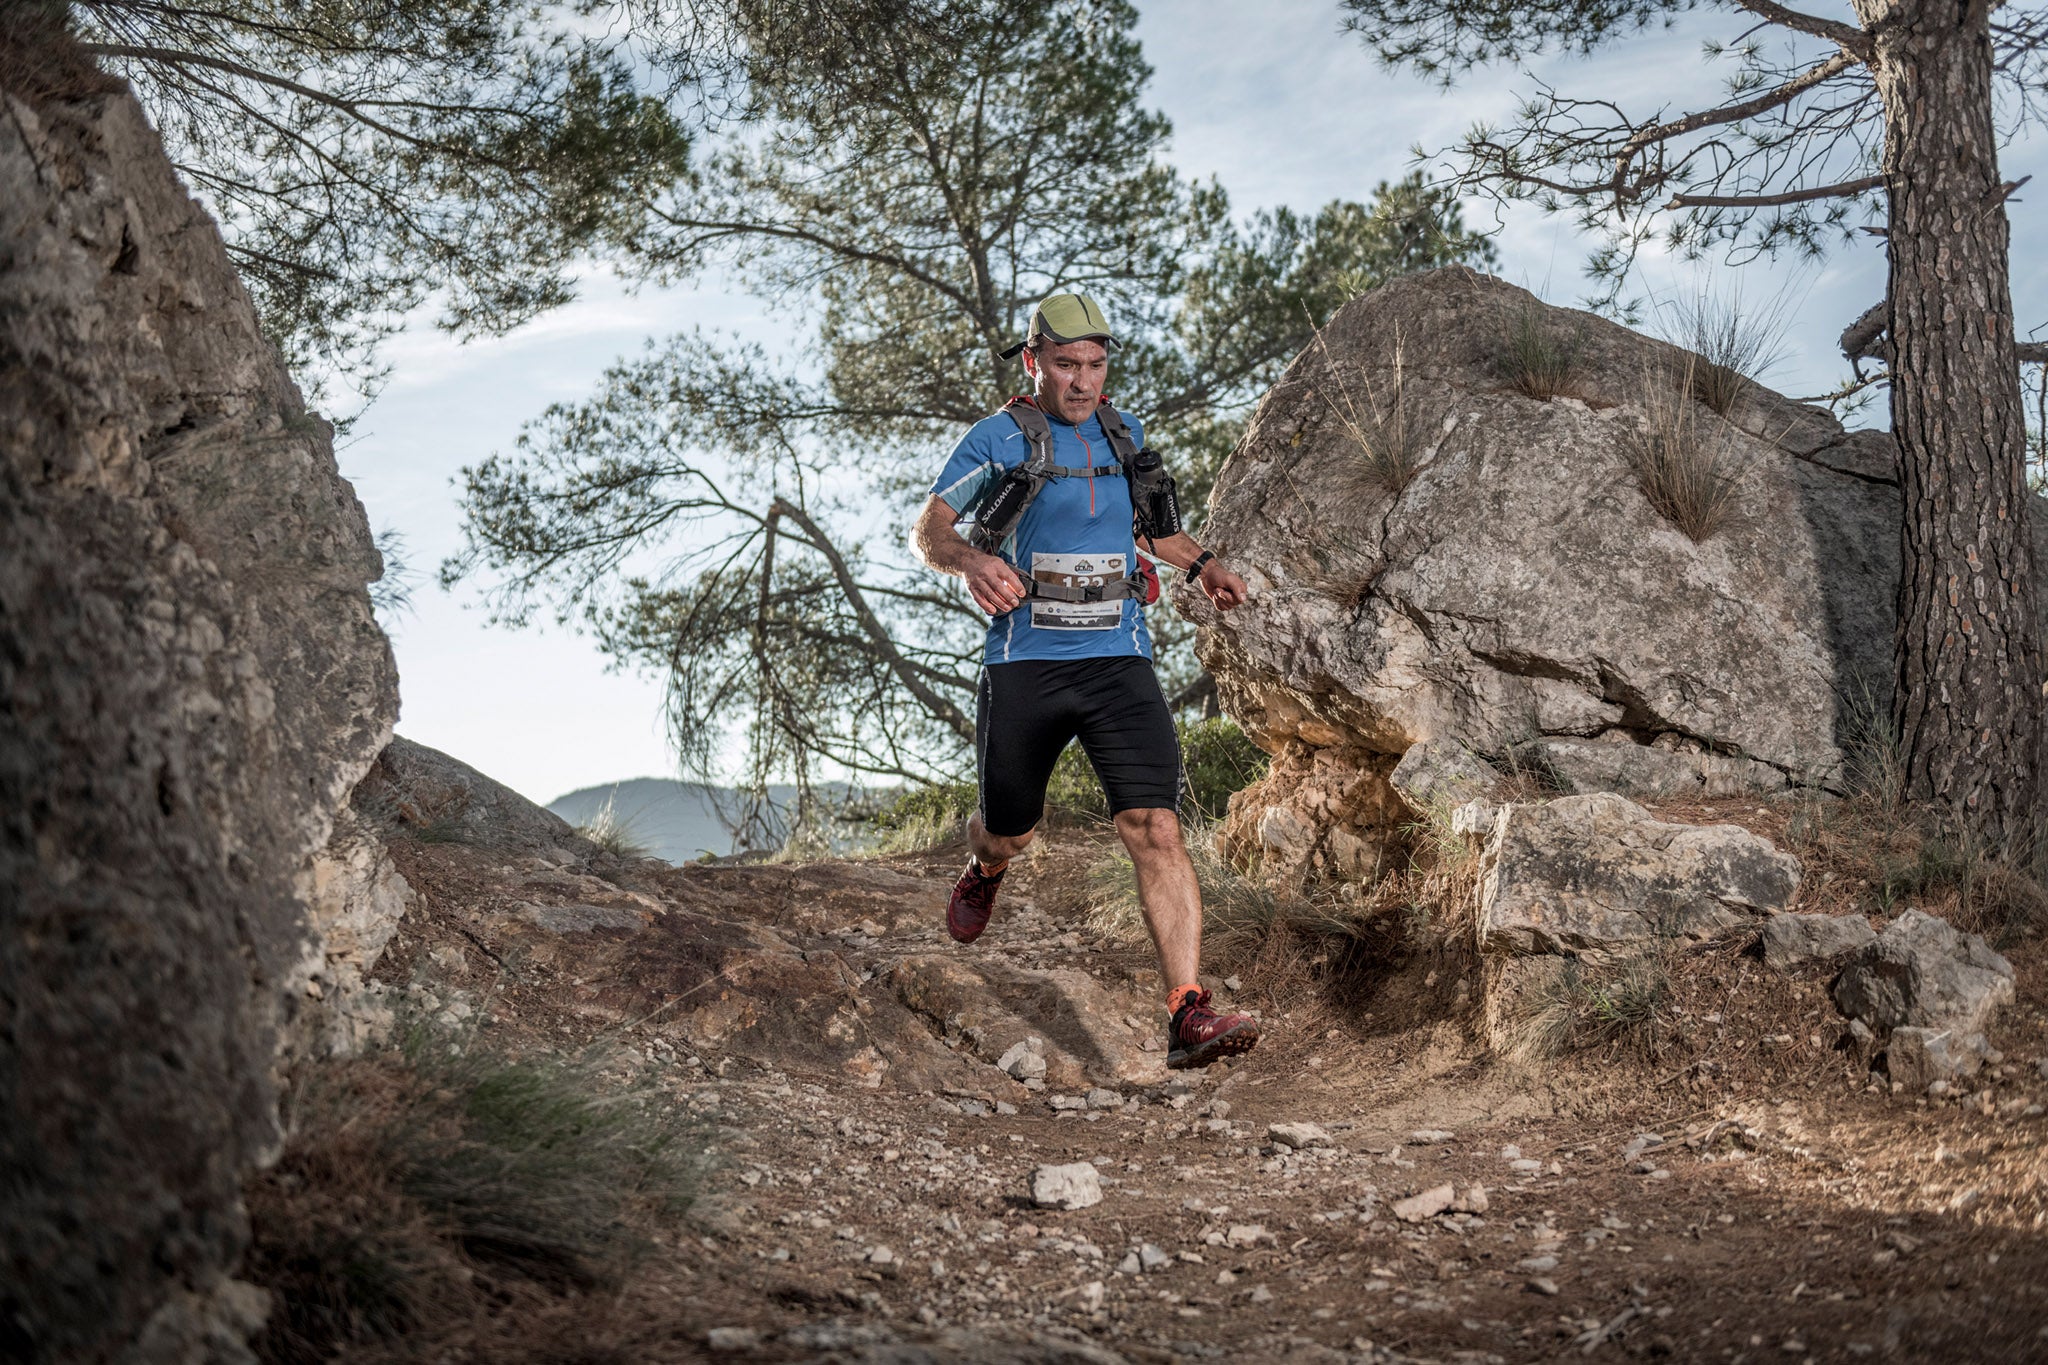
{"x": 1199, "y": 1035}
{"x": 974, "y": 900}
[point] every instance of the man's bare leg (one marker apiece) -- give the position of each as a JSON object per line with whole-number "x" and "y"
{"x": 1198, "y": 1033}
{"x": 993, "y": 850}
{"x": 974, "y": 895}
{"x": 1167, "y": 890}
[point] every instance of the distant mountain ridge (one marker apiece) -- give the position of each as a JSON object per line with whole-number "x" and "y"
{"x": 676, "y": 821}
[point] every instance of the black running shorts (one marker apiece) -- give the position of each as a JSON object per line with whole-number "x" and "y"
{"x": 1026, "y": 712}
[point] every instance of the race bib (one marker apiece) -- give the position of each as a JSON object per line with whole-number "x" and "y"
{"x": 1077, "y": 571}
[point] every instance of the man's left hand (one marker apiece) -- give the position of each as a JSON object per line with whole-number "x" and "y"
{"x": 1223, "y": 588}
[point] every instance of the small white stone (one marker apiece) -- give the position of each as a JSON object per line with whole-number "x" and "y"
{"x": 1418, "y": 1208}
{"x": 732, "y": 1338}
{"x": 1075, "y": 1186}
{"x": 1298, "y": 1136}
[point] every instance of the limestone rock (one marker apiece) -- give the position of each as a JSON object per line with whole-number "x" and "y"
{"x": 1298, "y": 1136}
{"x": 1420, "y": 1208}
{"x": 1924, "y": 973}
{"x": 1442, "y": 774}
{"x": 191, "y": 680}
{"x": 356, "y": 898}
{"x": 1792, "y": 941}
{"x": 1598, "y": 876}
{"x": 1918, "y": 1057}
{"x": 1075, "y": 1186}
{"x": 1585, "y": 765}
{"x": 1520, "y": 590}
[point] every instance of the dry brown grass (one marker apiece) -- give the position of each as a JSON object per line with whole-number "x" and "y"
{"x": 1381, "y": 426}
{"x": 1735, "y": 344}
{"x": 427, "y": 1196}
{"x": 1538, "y": 358}
{"x": 1687, "y": 470}
{"x": 40, "y": 59}
{"x": 1623, "y": 1008}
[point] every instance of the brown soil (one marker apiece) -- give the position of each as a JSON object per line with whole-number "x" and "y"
{"x": 1794, "y": 1210}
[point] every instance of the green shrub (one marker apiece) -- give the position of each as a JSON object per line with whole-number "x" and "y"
{"x": 924, "y": 817}
{"x": 1217, "y": 760}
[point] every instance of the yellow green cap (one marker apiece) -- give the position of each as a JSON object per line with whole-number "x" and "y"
{"x": 1063, "y": 318}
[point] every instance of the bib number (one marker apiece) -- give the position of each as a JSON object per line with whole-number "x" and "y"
{"x": 1076, "y": 571}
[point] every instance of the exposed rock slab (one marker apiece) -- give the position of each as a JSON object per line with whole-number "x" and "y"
{"x": 1086, "y": 1041}
{"x": 1440, "y": 775}
{"x": 1794, "y": 941}
{"x": 190, "y": 683}
{"x": 1599, "y": 876}
{"x": 1923, "y": 972}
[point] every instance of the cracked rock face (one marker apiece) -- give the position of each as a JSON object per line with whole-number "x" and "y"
{"x": 1520, "y": 595}
{"x": 190, "y": 684}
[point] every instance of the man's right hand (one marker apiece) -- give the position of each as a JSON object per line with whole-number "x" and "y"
{"x": 995, "y": 585}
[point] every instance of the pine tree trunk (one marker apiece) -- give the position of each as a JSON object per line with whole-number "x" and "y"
{"x": 1968, "y": 653}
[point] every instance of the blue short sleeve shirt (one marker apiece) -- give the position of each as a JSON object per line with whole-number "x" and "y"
{"x": 1075, "y": 528}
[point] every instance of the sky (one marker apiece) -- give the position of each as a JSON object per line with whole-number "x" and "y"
{"x": 1269, "y": 98}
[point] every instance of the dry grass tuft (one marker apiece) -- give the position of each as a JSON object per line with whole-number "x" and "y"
{"x": 614, "y": 832}
{"x": 424, "y": 1191}
{"x": 1623, "y": 1008}
{"x": 1539, "y": 359}
{"x": 1382, "y": 428}
{"x": 1242, "y": 915}
{"x": 41, "y": 60}
{"x": 1687, "y": 472}
{"x": 1736, "y": 345}
{"x": 1870, "y": 852}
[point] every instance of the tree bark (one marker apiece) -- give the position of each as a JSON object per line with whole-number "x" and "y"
{"x": 1968, "y": 654}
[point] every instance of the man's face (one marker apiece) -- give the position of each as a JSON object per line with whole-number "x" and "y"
{"x": 1068, "y": 378}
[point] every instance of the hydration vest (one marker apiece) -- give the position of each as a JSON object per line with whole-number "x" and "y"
{"x": 1014, "y": 493}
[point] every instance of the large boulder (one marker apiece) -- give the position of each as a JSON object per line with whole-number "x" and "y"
{"x": 191, "y": 681}
{"x": 1520, "y": 595}
{"x": 1599, "y": 877}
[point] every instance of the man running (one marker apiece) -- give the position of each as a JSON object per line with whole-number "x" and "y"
{"x": 1068, "y": 654}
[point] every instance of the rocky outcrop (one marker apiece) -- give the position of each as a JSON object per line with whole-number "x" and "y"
{"x": 190, "y": 683}
{"x": 1520, "y": 595}
{"x": 1598, "y": 877}
{"x": 433, "y": 796}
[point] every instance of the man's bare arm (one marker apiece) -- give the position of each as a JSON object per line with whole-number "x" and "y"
{"x": 995, "y": 586}
{"x": 1224, "y": 588}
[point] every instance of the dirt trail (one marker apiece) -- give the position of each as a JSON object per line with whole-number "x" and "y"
{"x": 1743, "y": 1196}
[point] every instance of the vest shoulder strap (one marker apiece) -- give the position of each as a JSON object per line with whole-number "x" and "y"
{"x": 1037, "y": 432}
{"x": 1118, "y": 430}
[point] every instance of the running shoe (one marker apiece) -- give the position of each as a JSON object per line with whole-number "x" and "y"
{"x": 1199, "y": 1035}
{"x": 974, "y": 900}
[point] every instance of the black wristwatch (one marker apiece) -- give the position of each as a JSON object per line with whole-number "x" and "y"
{"x": 1202, "y": 559}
